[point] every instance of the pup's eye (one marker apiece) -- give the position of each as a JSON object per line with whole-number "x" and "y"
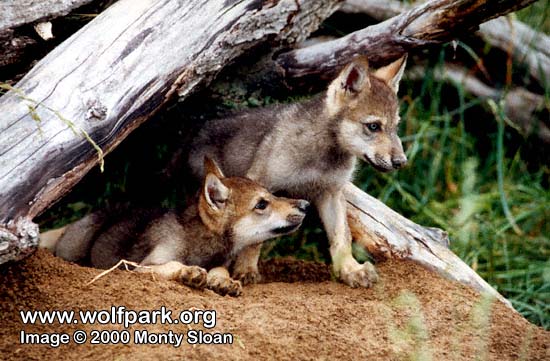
{"x": 261, "y": 205}
{"x": 373, "y": 127}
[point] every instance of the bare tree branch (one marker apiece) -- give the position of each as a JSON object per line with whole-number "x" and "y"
{"x": 526, "y": 44}
{"x": 433, "y": 22}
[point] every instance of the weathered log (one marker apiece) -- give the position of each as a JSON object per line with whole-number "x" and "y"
{"x": 376, "y": 9}
{"x": 387, "y": 234}
{"x": 110, "y": 77}
{"x": 14, "y": 13}
{"x": 520, "y": 105}
{"x": 433, "y": 22}
{"x": 525, "y": 43}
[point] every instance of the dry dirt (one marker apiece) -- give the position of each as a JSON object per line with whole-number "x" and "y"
{"x": 412, "y": 314}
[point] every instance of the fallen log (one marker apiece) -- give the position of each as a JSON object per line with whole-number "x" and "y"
{"x": 88, "y": 94}
{"x": 524, "y": 43}
{"x": 14, "y": 13}
{"x": 388, "y": 235}
{"x": 433, "y": 22}
{"x": 520, "y": 105}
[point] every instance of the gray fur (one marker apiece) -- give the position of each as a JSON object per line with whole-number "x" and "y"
{"x": 293, "y": 148}
{"x": 309, "y": 150}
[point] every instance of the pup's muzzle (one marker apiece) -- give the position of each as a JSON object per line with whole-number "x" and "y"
{"x": 399, "y": 162}
{"x": 295, "y": 218}
{"x": 302, "y": 205}
{"x": 382, "y": 165}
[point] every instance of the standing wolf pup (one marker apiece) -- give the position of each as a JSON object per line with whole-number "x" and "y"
{"x": 231, "y": 214}
{"x": 309, "y": 150}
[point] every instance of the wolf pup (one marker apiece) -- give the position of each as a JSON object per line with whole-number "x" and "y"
{"x": 231, "y": 214}
{"x": 309, "y": 150}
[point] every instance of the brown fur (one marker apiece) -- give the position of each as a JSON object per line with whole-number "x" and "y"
{"x": 309, "y": 150}
{"x": 228, "y": 216}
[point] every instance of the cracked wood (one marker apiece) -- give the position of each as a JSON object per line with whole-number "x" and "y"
{"x": 387, "y": 234}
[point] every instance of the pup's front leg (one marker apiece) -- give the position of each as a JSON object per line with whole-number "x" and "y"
{"x": 219, "y": 281}
{"x": 332, "y": 210}
{"x": 192, "y": 276}
{"x": 245, "y": 268}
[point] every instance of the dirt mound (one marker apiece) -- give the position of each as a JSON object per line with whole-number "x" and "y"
{"x": 410, "y": 314}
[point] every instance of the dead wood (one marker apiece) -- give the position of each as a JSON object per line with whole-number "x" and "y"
{"x": 389, "y": 235}
{"x": 88, "y": 94}
{"x": 511, "y": 36}
{"x": 433, "y": 22}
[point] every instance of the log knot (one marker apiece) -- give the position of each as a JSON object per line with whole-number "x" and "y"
{"x": 18, "y": 240}
{"x": 96, "y": 110}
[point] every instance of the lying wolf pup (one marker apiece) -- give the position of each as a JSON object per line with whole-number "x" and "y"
{"x": 309, "y": 150}
{"x": 231, "y": 213}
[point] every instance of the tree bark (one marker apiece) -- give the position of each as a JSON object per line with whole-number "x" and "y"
{"x": 387, "y": 234}
{"x": 433, "y": 22}
{"x": 111, "y": 76}
{"x": 511, "y": 36}
{"x": 14, "y": 13}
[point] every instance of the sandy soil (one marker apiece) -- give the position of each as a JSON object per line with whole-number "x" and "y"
{"x": 410, "y": 314}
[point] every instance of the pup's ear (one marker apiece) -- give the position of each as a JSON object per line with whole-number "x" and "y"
{"x": 393, "y": 72}
{"x": 352, "y": 80}
{"x": 355, "y": 76}
{"x": 215, "y": 192}
{"x": 211, "y": 167}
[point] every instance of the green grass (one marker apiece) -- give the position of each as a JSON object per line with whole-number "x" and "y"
{"x": 494, "y": 208}
{"x": 536, "y": 15}
{"x": 469, "y": 177}
{"x": 475, "y": 177}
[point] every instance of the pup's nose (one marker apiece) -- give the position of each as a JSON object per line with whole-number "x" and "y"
{"x": 399, "y": 162}
{"x": 302, "y": 205}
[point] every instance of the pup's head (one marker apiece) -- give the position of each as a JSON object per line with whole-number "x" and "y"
{"x": 366, "y": 106}
{"x": 245, "y": 209}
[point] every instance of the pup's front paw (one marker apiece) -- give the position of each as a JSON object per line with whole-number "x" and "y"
{"x": 193, "y": 276}
{"x": 355, "y": 274}
{"x": 225, "y": 286}
{"x": 247, "y": 277}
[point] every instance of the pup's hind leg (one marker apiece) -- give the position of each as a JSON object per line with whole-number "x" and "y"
{"x": 192, "y": 276}
{"x": 219, "y": 281}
